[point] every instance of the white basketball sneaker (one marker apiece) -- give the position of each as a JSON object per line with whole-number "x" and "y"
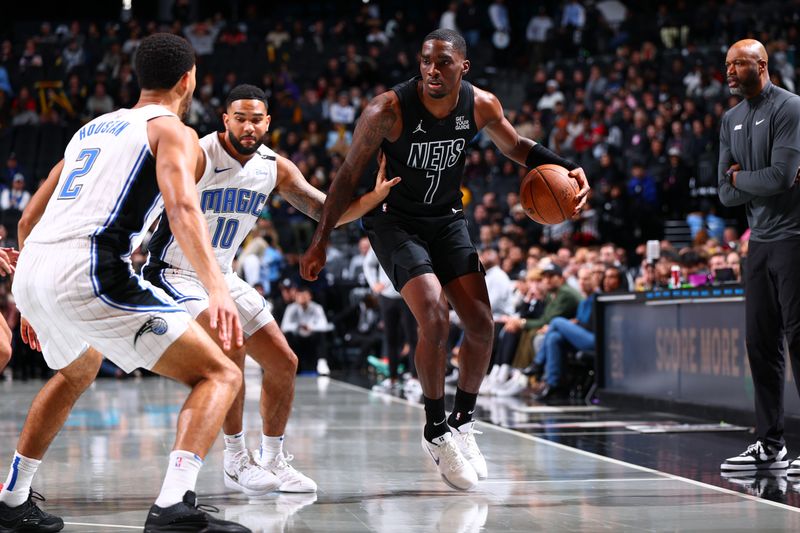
{"x": 290, "y": 479}
{"x": 464, "y": 436}
{"x": 241, "y": 473}
{"x": 454, "y": 469}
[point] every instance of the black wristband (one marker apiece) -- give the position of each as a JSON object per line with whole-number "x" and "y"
{"x": 539, "y": 155}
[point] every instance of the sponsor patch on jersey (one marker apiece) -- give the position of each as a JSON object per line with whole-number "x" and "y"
{"x": 154, "y": 324}
{"x": 462, "y": 123}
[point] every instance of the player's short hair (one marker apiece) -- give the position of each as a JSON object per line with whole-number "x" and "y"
{"x": 450, "y": 36}
{"x": 246, "y": 92}
{"x": 161, "y": 60}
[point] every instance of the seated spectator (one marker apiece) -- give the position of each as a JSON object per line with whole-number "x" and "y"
{"x": 99, "y": 103}
{"x": 12, "y": 169}
{"x": 13, "y": 202}
{"x": 562, "y": 300}
{"x": 530, "y": 306}
{"x": 733, "y": 261}
{"x": 716, "y": 262}
{"x": 563, "y": 334}
{"x": 614, "y": 281}
{"x": 305, "y": 324}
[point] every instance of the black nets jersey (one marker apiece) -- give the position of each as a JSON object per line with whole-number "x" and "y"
{"x": 429, "y": 154}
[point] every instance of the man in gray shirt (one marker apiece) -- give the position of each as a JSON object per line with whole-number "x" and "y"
{"x": 759, "y": 158}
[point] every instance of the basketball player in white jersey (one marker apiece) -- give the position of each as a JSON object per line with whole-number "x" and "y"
{"x": 236, "y": 175}
{"x": 75, "y": 286}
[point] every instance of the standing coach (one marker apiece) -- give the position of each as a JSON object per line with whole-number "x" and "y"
{"x": 759, "y": 156}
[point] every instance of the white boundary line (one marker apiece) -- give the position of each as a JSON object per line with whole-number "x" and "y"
{"x": 593, "y": 480}
{"x": 590, "y": 454}
{"x": 102, "y": 525}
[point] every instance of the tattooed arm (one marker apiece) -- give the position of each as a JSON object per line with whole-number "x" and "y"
{"x": 375, "y": 124}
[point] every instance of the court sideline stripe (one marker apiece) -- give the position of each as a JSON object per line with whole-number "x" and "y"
{"x": 611, "y": 460}
{"x": 118, "y": 526}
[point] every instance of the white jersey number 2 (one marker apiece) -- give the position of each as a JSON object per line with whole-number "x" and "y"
{"x": 71, "y": 189}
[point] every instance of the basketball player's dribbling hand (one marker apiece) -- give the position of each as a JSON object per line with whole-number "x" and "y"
{"x": 224, "y": 317}
{"x": 583, "y": 194}
{"x": 29, "y": 335}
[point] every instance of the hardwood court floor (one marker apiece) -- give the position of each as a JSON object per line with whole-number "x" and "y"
{"x": 363, "y": 449}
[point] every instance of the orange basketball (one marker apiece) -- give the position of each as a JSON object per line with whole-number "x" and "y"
{"x": 548, "y": 194}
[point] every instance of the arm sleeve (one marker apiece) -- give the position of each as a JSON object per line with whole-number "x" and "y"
{"x": 780, "y": 175}
{"x": 728, "y": 194}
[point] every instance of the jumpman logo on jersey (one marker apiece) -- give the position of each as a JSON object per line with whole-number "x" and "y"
{"x": 419, "y": 128}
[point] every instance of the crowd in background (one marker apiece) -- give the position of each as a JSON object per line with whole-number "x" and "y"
{"x": 633, "y": 91}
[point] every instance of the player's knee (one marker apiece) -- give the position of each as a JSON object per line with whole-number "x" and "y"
{"x": 480, "y": 323}
{"x": 229, "y": 374}
{"x": 291, "y": 363}
{"x": 82, "y": 372}
{"x": 435, "y": 325}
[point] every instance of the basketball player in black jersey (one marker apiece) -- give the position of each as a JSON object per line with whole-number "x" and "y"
{"x": 420, "y": 234}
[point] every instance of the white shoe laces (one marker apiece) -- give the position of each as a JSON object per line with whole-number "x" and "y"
{"x": 241, "y": 461}
{"x": 755, "y": 447}
{"x": 281, "y": 461}
{"x": 468, "y": 438}
{"x": 452, "y": 456}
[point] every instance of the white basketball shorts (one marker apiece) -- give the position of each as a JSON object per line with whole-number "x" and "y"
{"x": 186, "y": 289}
{"x": 76, "y": 296}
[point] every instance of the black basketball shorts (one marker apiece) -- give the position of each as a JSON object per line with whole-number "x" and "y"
{"x": 409, "y": 246}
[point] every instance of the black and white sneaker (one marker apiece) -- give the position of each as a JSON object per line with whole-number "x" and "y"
{"x": 28, "y": 517}
{"x": 757, "y": 457}
{"x": 189, "y": 516}
{"x": 794, "y": 468}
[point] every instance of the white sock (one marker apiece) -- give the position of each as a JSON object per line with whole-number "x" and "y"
{"x": 18, "y": 483}
{"x": 271, "y": 447}
{"x": 234, "y": 443}
{"x": 181, "y": 476}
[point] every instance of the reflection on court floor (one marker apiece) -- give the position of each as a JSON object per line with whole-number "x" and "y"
{"x": 362, "y": 448}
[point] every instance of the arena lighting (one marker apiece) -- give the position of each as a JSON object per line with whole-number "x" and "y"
{"x": 127, "y": 12}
